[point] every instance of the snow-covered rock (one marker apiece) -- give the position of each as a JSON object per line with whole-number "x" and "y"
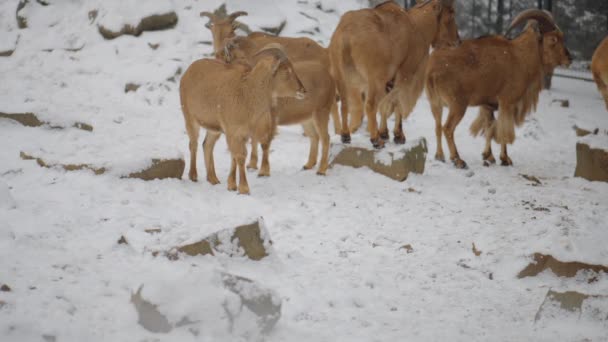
{"x": 395, "y": 162}
{"x": 592, "y": 157}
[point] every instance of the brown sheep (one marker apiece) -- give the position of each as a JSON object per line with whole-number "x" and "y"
{"x": 493, "y": 72}
{"x": 297, "y": 49}
{"x": 599, "y": 67}
{"x": 236, "y": 100}
{"x": 312, "y": 113}
{"x": 371, "y": 47}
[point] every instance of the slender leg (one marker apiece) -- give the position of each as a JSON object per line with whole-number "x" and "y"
{"x": 490, "y": 126}
{"x": 311, "y": 132}
{"x": 398, "y": 135}
{"x": 438, "y": 114}
{"x": 385, "y": 113}
{"x": 456, "y": 114}
{"x": 371, "y": 107}
{"x": 243, "y": 185}
{"x": 208, "y": 146}
{"x": 193, "y": 132}
{"x": 265, "y": 168}
{"x": 253, "y": 159}
{"x": 504, "y": 157}
{"x": 356, "y": 107}
{"x": 344, "y": 112}
{"x": 321, "y": 126}
{"x": 232, "y": 176}
{"x": 335, "y": 115}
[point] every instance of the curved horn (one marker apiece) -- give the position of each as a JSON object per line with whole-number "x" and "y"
{"x": 208, "y": 15}
{"x": 544, "y": 19}
{"x": 275, "y": 50}
{"x": 235, "y": 15}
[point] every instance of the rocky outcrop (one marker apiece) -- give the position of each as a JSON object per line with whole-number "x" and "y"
{"x": 159, "y": 168}
{"x": 151, "y": 23}
{"x": 395, "y": 162}
{"x": 542, "y": 262}
{"x": 32, "y": 120}
{"x": 558, "y": 305}
{"x": 250, "y": 240}
{"x": 591, "y": 163}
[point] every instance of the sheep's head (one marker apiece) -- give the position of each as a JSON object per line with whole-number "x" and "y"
{"x": 232, "y": 50}
{"x": 222, "y": 28}
{"x": 554, "y": 50}
{"x": 447, "y": 31}
{"x": 285, "y": 81}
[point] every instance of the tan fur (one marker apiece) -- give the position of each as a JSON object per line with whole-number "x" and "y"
{"x": 236, "y": 100}
{"x": 371, "y": 47}
{"x": 599, "y": 67}
{"x": 297, "y": 49}
{"x": 491, "y": 72}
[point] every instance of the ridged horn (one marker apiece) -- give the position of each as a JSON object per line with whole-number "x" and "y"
{"x": 208, "y": 15}
{"x": 545, "y": 20}
{"x": 235, "y": 15}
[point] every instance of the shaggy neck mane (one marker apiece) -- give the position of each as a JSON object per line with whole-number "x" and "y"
{"x": 426, "y": 22}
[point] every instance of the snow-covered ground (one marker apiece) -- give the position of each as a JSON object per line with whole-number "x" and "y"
{"x": 337, "y": 260}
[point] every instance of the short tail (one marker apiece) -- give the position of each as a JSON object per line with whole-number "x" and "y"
{"x": 484, "y": 124}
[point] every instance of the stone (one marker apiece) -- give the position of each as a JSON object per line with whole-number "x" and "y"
{"x": 5, "y": 288}
{"x": 161, "y": 169}
{"x": 578, "y": 305}
{"x": 395, "y": 162}
{"x": 129, "y": 87}
{"x": 149, "y": 317}
{"x": 591, "y": 163}
{"x": 251, "y": 240}
{"x": 265, "y": 304}
{"x": 542, "y": 262}
{"x": 31, "y": 120}
{"x": 151, "y": 23}
{"x": 21, "y": 20}
{"x": 275, "y": 31}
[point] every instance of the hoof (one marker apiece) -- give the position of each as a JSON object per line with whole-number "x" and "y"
{"x": 460, "y": 164}
{"x": 440, "y": 157}
{"x": 377, "y": 143}
{"x": 244, "y": 190}
{"x": 321, "y": 173}
{"x": 193, "y": 177}
{"x": 507, "y": 162}
{"x": 399, "y": 140}
{"x": 307, "y": 167}
{"x": 345, "y": 138}
{"x": 213, "y": 181}
{"x": 231, "y": 187}
{"x": 486, "y": 163}
{"x": 252, "y": 167}
{"x": 384, "y": 135}
{"x": 263, "y": 174}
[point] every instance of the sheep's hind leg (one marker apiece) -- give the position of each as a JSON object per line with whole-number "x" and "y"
{"x": 489, "y": 131}
{"x": 504, "y": 157}
{"x": 208, "y": 145}
{"x": 265, "y": 167}
{"x": 232, "y": 176}
{"x": 454, "y": 117}
{"x": 253, "y": 159}
{"x": 193, "y": 132}
{"x": 438, "y": 114}
{"x": 311, "y": 132}
{"x": 321, "y": 125}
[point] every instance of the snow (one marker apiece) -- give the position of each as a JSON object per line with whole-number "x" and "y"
{"x": 337, "y": 261}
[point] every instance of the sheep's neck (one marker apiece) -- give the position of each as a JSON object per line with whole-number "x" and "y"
{"x": 529, "y": 52}
{"x": 426, "y": 22}
{"x": 258, "y": 84}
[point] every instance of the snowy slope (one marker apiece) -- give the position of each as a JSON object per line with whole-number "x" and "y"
{"x": 337, "y": 263}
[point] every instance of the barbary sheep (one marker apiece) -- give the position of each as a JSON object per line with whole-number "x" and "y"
{"x": 493, "y": 72}
{"x": 599, "y": 67}
{"x": 239, "y": 101}
{"x": 372, "y": 47}
{"x": 298, "y": 50}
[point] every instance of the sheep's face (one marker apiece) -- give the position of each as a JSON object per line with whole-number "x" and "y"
{"x": 555, "y": 52}
{"x": 286, "y": 81}
{"x": 221, "y": 30}
{"x": 447, "y": 31}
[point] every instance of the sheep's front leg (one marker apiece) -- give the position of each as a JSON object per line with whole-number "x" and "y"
{"x": 232, "y": 176}
{"x": 265, "y": 167}
{"x": 313, "y": 152}
{"x": 243, "y": 185}
{"x": 208, "y": 145}
{"x": 504, "y": 157}
{"x": 253, "y": 158}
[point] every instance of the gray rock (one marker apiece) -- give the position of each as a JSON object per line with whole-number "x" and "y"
{"x": 148, "y": 315}
{"x": 394, "y": 162}
{"x": 571, "y": 303}
{"x": 591, "y": 163}
{"x": 152, "y": 23}
{"x": 31, "y": 120}
{"x": 161, "y": 169}
{"x": 251, "y": 240}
